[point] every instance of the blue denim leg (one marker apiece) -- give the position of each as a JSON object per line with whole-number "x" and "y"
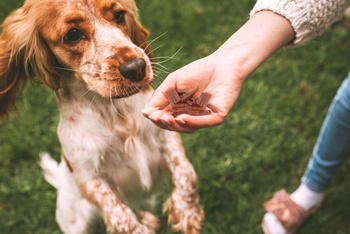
{"x": 333, "y": 144}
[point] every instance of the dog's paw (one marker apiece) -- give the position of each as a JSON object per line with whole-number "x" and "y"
{"x": 123, "y": 222}
{"x": 142, "y": 229}
{"x": 185, "y": 216}
{"x": 150, "y": 220}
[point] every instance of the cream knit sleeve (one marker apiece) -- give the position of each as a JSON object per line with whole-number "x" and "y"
{"x": 309, "y": 18}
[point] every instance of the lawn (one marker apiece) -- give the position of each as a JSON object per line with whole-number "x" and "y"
{"x": 264, "y": 144}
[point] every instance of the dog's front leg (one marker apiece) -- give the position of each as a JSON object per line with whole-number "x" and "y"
{"x": 183, "y": 204}
{"x": 118, "y": 217}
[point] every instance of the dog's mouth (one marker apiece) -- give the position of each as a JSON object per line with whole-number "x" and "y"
{"x": 122, "y": 81}
{"x": 118, "y": 87}
{"x": 124, "y": 91}
{"x": 135, "y": 75}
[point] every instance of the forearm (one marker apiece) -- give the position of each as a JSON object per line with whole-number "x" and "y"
{"x": 308, "y": 18}
{"x": 259, "y": 38}
{"x": 222, "y": 73}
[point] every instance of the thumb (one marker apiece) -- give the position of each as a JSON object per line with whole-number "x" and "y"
{"x": 158, "y": 97}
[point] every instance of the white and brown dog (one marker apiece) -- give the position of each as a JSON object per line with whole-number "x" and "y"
{"x": 95, "y": 56}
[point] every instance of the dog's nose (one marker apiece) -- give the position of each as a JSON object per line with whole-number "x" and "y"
{"x": 133, "y": 70}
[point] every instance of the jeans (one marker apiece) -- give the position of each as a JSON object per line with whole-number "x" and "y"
{"x": 333, "y": 144}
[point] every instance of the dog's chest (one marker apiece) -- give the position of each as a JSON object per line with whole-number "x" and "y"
{"x": 126, "y": 151}
{"x": 137, "y": 162}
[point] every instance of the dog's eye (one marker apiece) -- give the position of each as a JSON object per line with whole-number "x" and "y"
{"x": 119, "y": 17}
{"x": 73, "y": 36}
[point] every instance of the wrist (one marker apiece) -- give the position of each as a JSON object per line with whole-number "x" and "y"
{"x": 258, "y": 39}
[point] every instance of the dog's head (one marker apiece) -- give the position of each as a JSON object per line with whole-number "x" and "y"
{"x": 100, "y": 41}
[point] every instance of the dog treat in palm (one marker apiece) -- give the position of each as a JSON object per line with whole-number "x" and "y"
{"x": 165, "y": 104}
{"x": 173, "y": 96}
{"x": 212, "y": 108}
{"x": 184, "y": 102}
{"x": 188, "y": 95}
{"x": 203, "y": 99}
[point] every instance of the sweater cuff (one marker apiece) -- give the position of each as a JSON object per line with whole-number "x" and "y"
{"x": 308, "y": 18}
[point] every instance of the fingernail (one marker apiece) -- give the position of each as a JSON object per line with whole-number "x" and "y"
{"x": 148, "y": 110}
{"x": 144, "y": 113}
{"x": 151, "y": 117}
{"x": 179, "y": 121}
{"x": 165, "y": 121}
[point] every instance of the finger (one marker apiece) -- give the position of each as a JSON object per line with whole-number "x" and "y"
{"x": 203, "y": 121}
{"x": 156, "y": 115}
{"x": 180, "y": 128}
{"x": 148, "y": 110}
{"x": 167, "y": 121}
{"x": 157, "y": 99}
{"x": 160, "y": 125}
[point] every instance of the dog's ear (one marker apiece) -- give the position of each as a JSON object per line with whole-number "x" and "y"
{"x": 23, "y": 55}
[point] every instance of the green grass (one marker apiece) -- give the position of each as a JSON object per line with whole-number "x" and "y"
{"x": 264, "y": 144}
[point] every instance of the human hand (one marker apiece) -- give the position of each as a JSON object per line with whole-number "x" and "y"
{"x": 211, "y": 74}
{"x": 222, "y": 73}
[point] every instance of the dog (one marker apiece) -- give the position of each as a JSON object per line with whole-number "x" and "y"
{"x": 95, "y": 56}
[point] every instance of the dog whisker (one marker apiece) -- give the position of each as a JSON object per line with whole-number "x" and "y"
{"x": 133, "y": 89}
{"x": 126, "y": 91}
{"x": 92, "y": 100}
{"x": 159, "y": 70}
{"x": 171, "y": 57}
{"x": 91, "y": 89}
{"x": 112, "y": 104}
{"x": 153, "y": 40}
{"x": 152, "y": 51}
{"x": 161, "y": 57}
{"x": 93, "y": 74}
{"x": 158, "y": 77}
{"x": 160, "y": 66}
{"x": 73, "y": 70}
{"x": 85, "y": 93}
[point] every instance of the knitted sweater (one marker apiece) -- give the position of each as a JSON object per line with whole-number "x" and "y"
{"x": 309, "y": 18}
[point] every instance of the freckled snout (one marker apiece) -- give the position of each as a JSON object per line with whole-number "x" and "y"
{"x": 133, "y": 70}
